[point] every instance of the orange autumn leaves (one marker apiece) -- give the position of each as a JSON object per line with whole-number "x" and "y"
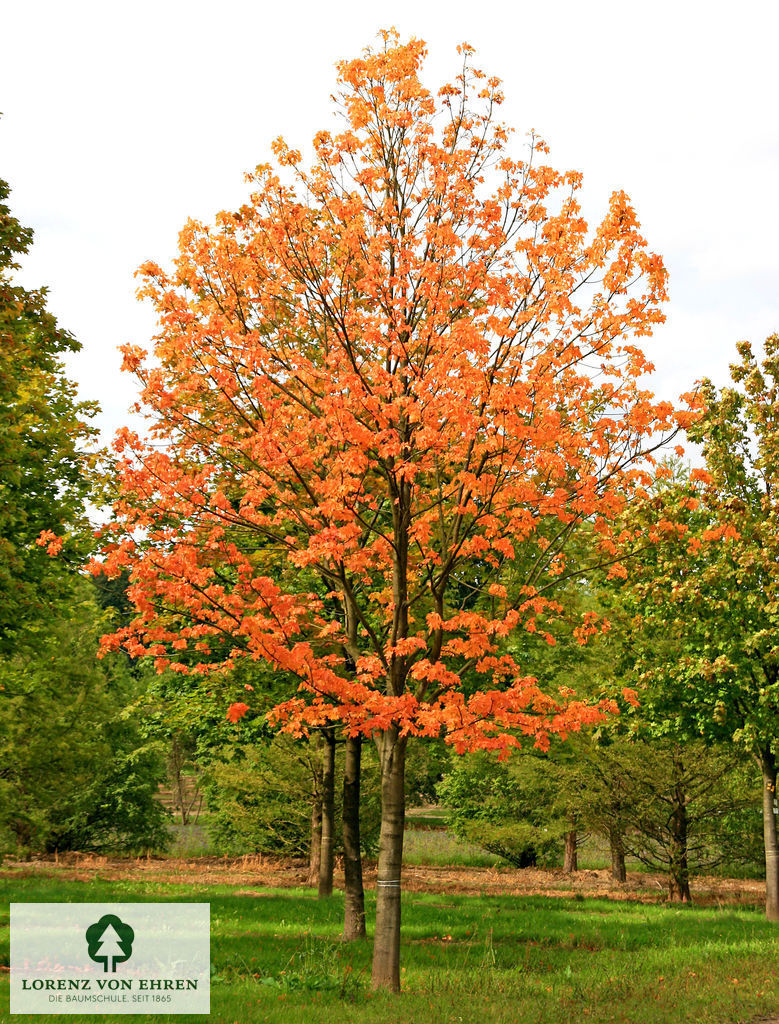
{"x": 385, "y": 394}
{"x": 236, "y": 711}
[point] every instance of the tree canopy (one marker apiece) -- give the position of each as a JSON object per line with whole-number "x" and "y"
{"x": 396, "y": 371}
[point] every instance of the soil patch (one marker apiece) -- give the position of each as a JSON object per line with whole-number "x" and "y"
{"x": 250, "y": 872}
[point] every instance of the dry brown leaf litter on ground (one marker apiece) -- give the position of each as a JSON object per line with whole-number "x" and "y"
{"x": 254, "y": 871}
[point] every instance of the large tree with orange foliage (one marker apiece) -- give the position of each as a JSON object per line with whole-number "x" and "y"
{"x": 385, "y": 393}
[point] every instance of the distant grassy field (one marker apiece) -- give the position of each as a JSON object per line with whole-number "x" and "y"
{"x": 423, "y": 844}
{"x": 428, "y": 841}
{"x": 277, "y": 958}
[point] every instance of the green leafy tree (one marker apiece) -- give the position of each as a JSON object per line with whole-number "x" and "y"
{"x": 689, "y": 808}
{"x": 75, "y": 772}
{"x": 259, "y": 797}
{"x": 509, "y": 807}
{"x": 44, "y": 429}
{"x": 704, "y": 597}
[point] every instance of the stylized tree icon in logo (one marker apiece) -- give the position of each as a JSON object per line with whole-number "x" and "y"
{"x": 110, "y": 941}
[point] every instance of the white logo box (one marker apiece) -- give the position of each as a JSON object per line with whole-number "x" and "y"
{"x": 110, "y": 958}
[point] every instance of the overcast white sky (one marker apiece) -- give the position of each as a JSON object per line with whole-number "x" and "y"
{"x": 123, "y": 119}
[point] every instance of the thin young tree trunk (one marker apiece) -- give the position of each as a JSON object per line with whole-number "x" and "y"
{"x": 571, "y": 860}
{"x": 196, "y": 797}
{"x": 315, "y": 850}
{"x": 175, "y": 764}
{"x": 354, "y": 895}
{"x": 328, "y": 816}
{"x": 678, "y": 871}
{"x": 386, "y": 945}
{"x": 768, "y": 765}
{"x": 618, "y": 871}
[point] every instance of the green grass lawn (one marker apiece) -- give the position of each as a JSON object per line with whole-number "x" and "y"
{"x": 492, "y": 960}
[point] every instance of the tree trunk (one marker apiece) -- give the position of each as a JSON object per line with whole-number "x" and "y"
{"x": 176, "y": 761}
{"x": 618, "y": 871}
{"x": 386, "y": 945}
{"x": 678, "y": 871}
{"x": 570, "y": 861}
{"x": 768, "y": 765}
{"x": 315, "y": 850}
{"x": 679, "y": 888}
{"x": 328, "y": 801}
{"x": 354, "y": 896}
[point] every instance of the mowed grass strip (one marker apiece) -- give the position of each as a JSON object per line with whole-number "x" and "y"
{"x": 277, "y": 957}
